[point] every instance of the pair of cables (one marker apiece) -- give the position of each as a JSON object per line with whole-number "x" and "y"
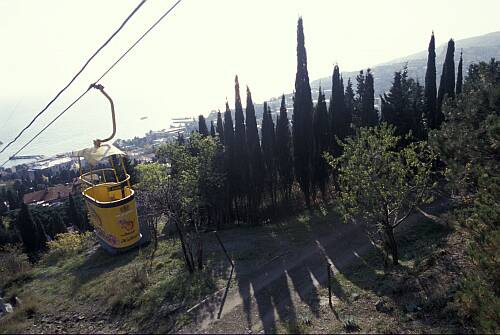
{"x": 105, "y": 73}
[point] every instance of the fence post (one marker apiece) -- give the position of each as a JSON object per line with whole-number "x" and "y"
{"x": 329, "y": 284}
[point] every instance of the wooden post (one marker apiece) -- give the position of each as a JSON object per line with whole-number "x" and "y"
{"x": 329, "y": 284}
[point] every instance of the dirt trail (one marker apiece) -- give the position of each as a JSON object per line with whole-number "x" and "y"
{"x": 258, "y": 298}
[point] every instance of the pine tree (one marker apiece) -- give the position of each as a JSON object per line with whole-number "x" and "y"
{"x": 256, "y": 163}
{"x": 240, "y": 148}
{"x": 403, "y": 106}
{"x": 220, "y": 128}
{"x": 202, "y": 126}
{"x": 321, "y": 142}
{"x": 459, "y": 75}
{"x": 369, "y": 116}
{"x": 212, "y": 128}
{"x": 447, "y": 83}
{"x": 268, "y": 150}
{"x": 28, "y": 231}
{"x": 430, "y": 85}
{"x": 349, "y": 103}
{"x": 302, "y": 119}
{"x": 284, "y": 151}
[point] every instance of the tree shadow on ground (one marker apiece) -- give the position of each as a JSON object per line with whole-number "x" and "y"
{"x": 417, "y": 239}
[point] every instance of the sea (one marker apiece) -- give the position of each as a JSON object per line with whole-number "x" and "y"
{"x": 76, "y": 129}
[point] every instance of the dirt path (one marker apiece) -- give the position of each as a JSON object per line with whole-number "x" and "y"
{"x": 258, "y": 298}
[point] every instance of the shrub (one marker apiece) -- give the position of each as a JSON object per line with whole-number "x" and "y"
{"x": 13, "y": 262}
{"x": 65, "y": 245}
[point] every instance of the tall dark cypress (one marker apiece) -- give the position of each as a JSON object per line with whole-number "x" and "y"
{"x": 202, "y": 125}
{"x": 212, "y": 128}
{"x": 339, "y": 118}
{"x": 240, "y": 146}
{"x": 430, "y": 85}
{"x": 447, "y": 83}
{"x": 220, "y": 127}
{"x": 228, "y": 129}
{"x": 27, "y": 228}
{"x": 349, "y": 103}
{"x": 229, "y": 161}
{"x": 357, "y": 117}
{"x": 302, "y": 119}
{"x": 284, "y": 151}
{"x": 459, "y": 75}
{"x": 268, "y": 150}
{"x": 321, "y": 143}
{"x": 255, "y": 160}
{"x": 369, "y": 116}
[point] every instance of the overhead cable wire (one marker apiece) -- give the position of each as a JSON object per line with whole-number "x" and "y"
{"x": 75, "y": 76}
{"x": 101, "y": 77}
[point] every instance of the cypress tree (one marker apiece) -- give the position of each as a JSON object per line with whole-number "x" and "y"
{"x": 447, "y": 83}
{"x": 284, "y": 151}
{"x": 321, "y": 142}
{"x": 202, "y": 126}
{"x": 459, "y": 76}
{"x": 256, "y": 163}
{"x": 229, "y": 158}
{"x": 240, "y": 148}
{"x": 430, "y": 85}
{"x": 340, "y": 119}
{"x": 268, "y": 150}
{"x": 349, "y": 103}
{"x": 212, "y": 128}
{"x": 358, "y": 100}
{"x": 220, "y": 128}
{"x": 56, "y": 224}
{"x": 302, "y": 119}
{"x": 369, "y": 116}
{"x": 28, "y": 230}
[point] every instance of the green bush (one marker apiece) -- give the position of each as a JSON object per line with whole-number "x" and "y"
{"x": 13, "y": 262}
{"x": 66, "y": 244}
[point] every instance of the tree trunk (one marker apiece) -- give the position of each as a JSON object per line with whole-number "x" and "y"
{"x": 189, "y": 265}
{"x": 389, "y": 231}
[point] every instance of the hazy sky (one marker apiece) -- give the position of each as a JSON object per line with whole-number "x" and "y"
{"x": 186, "y": 66}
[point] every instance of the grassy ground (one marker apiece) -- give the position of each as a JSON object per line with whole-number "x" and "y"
{"x": 87, "y": 290}
{"x": 415, "y": 297}
{"x": 90, "y": 291}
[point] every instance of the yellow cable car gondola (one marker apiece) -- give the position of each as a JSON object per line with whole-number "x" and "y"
{"x": 108, "y": 193}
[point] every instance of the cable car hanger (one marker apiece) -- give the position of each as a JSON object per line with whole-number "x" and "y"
{"x": 97, "y": 142}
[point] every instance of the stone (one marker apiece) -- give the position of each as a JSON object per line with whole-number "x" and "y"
{"x": 169, "y": 309}
{"x": 382, "y": 306}
{"x": 355, "y": 296}
{"x": 412, "y": 308}
{"x": 8, "y": 308}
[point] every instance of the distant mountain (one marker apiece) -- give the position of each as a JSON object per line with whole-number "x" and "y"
{"x": 475, "y": 49}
